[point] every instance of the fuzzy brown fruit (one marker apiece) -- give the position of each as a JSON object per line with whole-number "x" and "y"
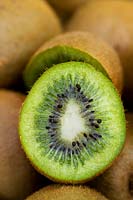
{"x": 111, "y": 20}
{"x": 66, "y": 192}
{"x": 24, "y": 26}
{"x": 17, "y": 178}
{"x": 117, "y": 182}
{"x": 86, "y": 44}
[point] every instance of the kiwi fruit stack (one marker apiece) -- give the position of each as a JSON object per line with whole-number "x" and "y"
{"x": 112, "y": 21}
{"x": 17, "y": 177}
{"x": 72, "y": 123}
{"x": 117, "y": 182}
{"x": 24, "y": 26}
{"x": 66, "y": 192}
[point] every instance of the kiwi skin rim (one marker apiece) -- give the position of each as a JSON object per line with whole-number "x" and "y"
{"x": 64, "y": 181}
{"x": 42, "y": 61}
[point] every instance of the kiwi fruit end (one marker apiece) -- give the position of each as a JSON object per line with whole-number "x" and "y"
{"x": 72, "y": 123}
{"x": 66, "y": 192}
{"x": 119, "y": 178}
{"x": 24, "y": 26}
{"x": 75, "y": 46}
{"x": 112, "y": 21}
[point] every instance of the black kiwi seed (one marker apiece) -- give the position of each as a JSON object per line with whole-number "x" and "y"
{"x": 85, "y": 135}
{"x": 99, "y": 121}
{"x": 73, "y": 144}
{"x": 78, "y": 87}
{"x": 78, "y": 143}
{"x": 92, "y": 136}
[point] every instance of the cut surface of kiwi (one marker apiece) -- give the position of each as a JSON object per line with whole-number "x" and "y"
{"x": 75, "y": 46}
{"x": 66, "y": 192}
{"x": 72, "y": 123}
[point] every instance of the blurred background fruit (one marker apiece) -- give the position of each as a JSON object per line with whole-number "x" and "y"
{"x": 17, "y": 177}
{"x": 24, "y": 25}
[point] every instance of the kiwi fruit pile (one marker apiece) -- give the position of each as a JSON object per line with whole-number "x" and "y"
{"x": 65, "y": 70}
{"x": 24, "y": 26}
{"x": 112, "y": 21}
{"x": 66, "y": 192}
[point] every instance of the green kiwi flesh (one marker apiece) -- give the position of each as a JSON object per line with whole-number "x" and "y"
{"x": 72, "y": 123}
{"x": 53, "y": 56}
{"x": 62, "y": 192}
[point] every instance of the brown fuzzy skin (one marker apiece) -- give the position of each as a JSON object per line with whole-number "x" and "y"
{"x": 96, "y": 48}
{"x": 66, "y": 193}
{"x": 17, "y": 177}
{"x": 116, "y": 182}
{"x": 112, "y": 21}
{"x": 24, "y": 26}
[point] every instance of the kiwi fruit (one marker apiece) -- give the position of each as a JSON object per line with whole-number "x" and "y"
{"x": 72, "y": 123}
{"x": 17, "y": 177}
{"x": 117, "y": 182}
{"x": 66, "y": 192}
{"x": 75, "y": 46}
{"x": 112, "y": 21}
{"x": 24, "y": 26}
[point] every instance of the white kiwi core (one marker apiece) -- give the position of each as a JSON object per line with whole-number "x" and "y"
{"x": 72, "y": 124}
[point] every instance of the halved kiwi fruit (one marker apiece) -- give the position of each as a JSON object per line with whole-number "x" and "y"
{"x": 72, "y": 123}
{"x": 112, "y": 21}
{"x": 117, "y": 182}
{"x": 17, "y": 177}
{"x": 75, "y": 46}
{"x": 59, "y": 192}
{"x": 24, "y": 26}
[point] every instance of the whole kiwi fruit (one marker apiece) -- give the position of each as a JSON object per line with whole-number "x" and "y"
{"x": 75, "y": 46}
{"x": 24, "y": 26}
{"x": 112, "y": 21}
{"x": 72, "y": 123}
{"x": 66, "y": 192}
{"x": 117, "y": 182}
{"x": 17, "y": 177}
